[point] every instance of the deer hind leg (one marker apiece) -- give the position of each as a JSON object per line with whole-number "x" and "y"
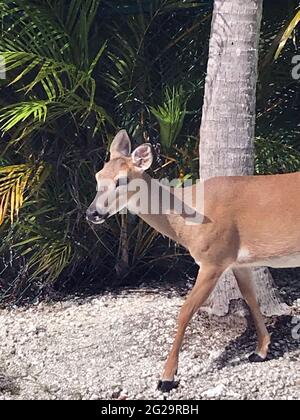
{"x": 245, "y": 283}
{"x": 206, "y": 281}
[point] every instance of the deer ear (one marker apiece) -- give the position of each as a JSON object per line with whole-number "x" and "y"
{"x": 142, "y": 157}
{"x": 121, "y": 145}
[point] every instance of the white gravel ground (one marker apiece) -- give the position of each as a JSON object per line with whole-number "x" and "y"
{"x": 115, "y": 347}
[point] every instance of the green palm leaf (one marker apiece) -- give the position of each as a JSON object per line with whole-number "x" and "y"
{"x": 170, "y": 115}
{"x": 41, "y": 50}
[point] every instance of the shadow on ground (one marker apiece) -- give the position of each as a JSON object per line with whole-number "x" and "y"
{"x": 8, "y": 385}
{"x": 285, "y": 339}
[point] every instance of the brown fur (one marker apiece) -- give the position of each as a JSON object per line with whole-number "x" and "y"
{"x": 247, "y": 220}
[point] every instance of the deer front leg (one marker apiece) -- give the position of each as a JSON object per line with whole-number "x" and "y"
{"x": 206, "y": 281}
{"x": 245, "y": 283}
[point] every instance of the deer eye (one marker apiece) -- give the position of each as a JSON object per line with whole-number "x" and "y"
{"x": 121, "y": 182}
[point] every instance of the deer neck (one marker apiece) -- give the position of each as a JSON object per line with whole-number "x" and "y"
{"x": 166, "y": 220}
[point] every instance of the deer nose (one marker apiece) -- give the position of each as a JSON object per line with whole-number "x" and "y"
{"x": 94, "y": 216}
{"x": 92, "y": 213}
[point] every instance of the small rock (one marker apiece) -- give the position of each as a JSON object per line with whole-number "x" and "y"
{"x": 216, "y": 392}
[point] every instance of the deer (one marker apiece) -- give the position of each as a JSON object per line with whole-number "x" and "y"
{"x": 248, "y": 221}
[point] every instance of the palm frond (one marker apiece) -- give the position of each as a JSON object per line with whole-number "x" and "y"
{"x": 48, "y": 252}
{"x": 276, "y": 154}
{"x": 15, "y": 181}
{"x": 50, "y": 259}
{"x": 287, "y": 34}
{"x": 170, "y": 115}
{"x": 27, "y": 117}
{"x": 40, "y": 51}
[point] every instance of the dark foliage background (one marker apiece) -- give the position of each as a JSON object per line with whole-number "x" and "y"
{"x": 76, "y": 72}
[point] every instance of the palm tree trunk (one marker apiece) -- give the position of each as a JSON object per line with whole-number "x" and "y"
{"x": 228, "y": 122}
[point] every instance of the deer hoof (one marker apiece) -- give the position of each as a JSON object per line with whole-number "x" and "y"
{"x": 256, "y": 358}
{"x": 167, "y": 386}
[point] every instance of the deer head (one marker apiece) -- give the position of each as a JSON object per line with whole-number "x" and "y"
{"x": 112, "y": 181}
